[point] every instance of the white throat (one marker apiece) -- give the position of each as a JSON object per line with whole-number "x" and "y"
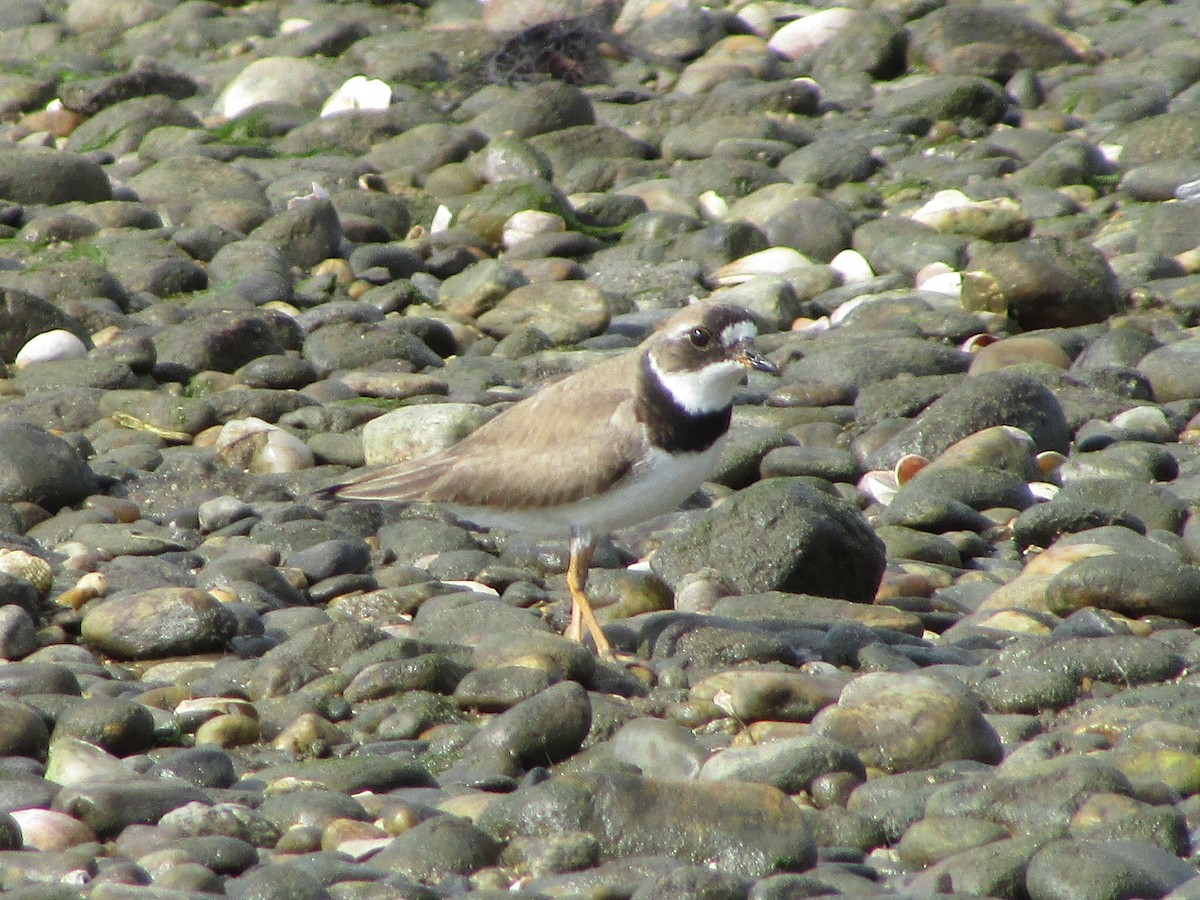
{"x": 701, "y": 391}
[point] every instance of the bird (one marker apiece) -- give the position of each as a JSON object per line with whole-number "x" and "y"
{"x": 610, "y": 446}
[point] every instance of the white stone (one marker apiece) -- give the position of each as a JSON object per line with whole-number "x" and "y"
{"x": 852, "y": 266}
{"x": 358, "y": 92}
{"x": 810, "y": 33}
{"x": 50, "y": 346}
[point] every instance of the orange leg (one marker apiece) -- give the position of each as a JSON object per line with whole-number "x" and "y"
{"x": 581, "y": 608}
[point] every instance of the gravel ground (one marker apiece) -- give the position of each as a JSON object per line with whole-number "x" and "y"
{"x": 929, "y": 632}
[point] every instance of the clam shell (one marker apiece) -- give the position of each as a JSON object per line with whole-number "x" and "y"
{"x": 852, "y": 266}
{"x": 530, "y": 223}
{"x": 358, "y": 92}
{"x": 258, "y": 446}
{"x": 31, "y": 568}
{"x": 772, "y": 261}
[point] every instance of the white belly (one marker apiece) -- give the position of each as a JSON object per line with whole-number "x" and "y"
{"x": 659, "y": 486}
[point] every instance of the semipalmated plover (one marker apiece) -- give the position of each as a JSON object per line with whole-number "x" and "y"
{"x": 608, "y": 447}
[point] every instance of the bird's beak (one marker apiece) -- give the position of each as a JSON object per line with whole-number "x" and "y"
{"x": 746, "y": 354}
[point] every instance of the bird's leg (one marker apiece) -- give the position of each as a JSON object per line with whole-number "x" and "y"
{"x": 581, "y": 607}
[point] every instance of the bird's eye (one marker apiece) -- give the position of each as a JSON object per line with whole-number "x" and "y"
{"x": 700, "y": 337}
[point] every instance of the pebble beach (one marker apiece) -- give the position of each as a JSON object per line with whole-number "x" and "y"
{"x": 927, "y": 633}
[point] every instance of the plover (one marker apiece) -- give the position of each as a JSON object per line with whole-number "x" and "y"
{"x": 608, "y": 447}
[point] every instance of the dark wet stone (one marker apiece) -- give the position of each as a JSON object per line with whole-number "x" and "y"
{"x": 122, "y": 727}
{"x": 978, "y": 402}
{"x": 310, "y": 807}
{"x": 1119, "y": 659}
{"x": 938, "y": 37}
{"x": 324, "y": 560}
{"x": 230, "y": 570}
{"x": 692, "y": 881}
{"x": 873, "y": 46}
{"x": 309, "y": 654}
{"x": 108, "y": 807}
{"x": 740, "y": 829}
{"x": 24, "y": 731}
{"x": 21, "y": 594}
{"x": 427, "y": 672}
{"x": 221, "y": 342}
{"x": 829, "y": 162}
{"x": 160, "y": 622}
{"x": 978, "y": 488}
{"x": 849, "y": 363}
{"x": 498, "y": 689}
{"x": 353, "y": 345}
{"x": 466, "y": 619}
{"x": 276, "y": 882}
{"x": 901, "y": 722}
{"x": 790, "y": 764}
{"x": 947, "y": 97}
{"x": 1131, "y": 585}
{"x": 1037, "y": 799}
{"x": 1028, "y": 692}
{"x": 437, "y": 847}
{"x": 804, "y": 540}
{"x": 353, "y": 774}
{"x": 38, "y": 467}
{"x": 996, "y": 869}
{"x": 934, "y": 839}
{"x": 205, "y": 767}
{"x": 696, "y": 641}
{"x": 547, "y": 727}
{"x": 829, "y": 463}
{"x": 41, "y": 176}
{"x": 1108, "y": 869}
{"x": 1095, "y": 502}
{"x": 1042, "y": 283}
{"x": 933, "y": 512}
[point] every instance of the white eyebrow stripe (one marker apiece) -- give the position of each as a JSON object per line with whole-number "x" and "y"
{"x": 738, "y": 331}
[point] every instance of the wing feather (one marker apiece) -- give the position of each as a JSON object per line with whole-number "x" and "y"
{"x": 539, "y": 453}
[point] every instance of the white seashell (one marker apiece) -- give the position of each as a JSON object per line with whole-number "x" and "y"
{"x": 529, "y": 223}
{"x": 257, "y": 446}
{"x": 1110, "y": 153}
{"x": 852, "y": 266}
{"x": 361, "y": 848}
{"x": 26, "y": 566}
{"x": 772, "y": 261}
{"x": 317, "y": 193}
{"x": 847, "y": 309}
{"x": 713, "y": 205}
{"x": 90, "y": 586}
{"x": 476, "y": 587}
{"x": 880, "y": 485}
{"x": 282, "y": 452}
{"x": 813, "y": 326}
{"x": 948, "y": 283}
{"x": 294, "y": 25}
{"x": 358, "y": 92}
{"x": 442, "y": 218}
{"x": 50, "y": 346}
{"x": 940, "y": 202}
{"x": 810, "y": 33}
{"x": 1043, "y": 490}
{"x": 1189, "y": 190}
